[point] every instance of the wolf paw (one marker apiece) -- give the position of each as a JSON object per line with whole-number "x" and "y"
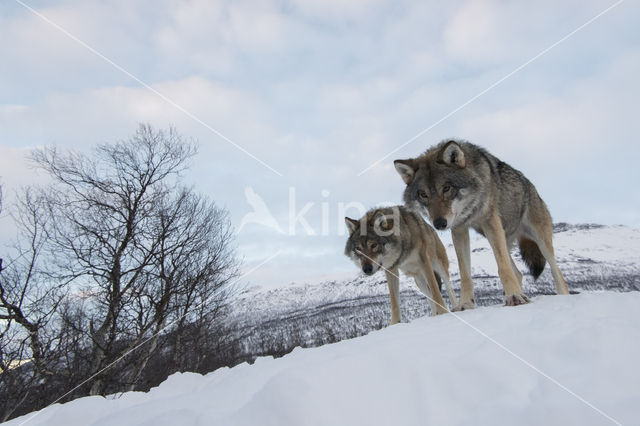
{"x": 516, "y": 299}
{"x": 464, "y": 306}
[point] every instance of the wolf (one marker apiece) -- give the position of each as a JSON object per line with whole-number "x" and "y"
{"x": 459, "y": 185}
{"x": 395, "y": 238}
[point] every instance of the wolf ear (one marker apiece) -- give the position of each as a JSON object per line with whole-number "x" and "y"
{"x": 352, "y": 224}
{"x": 406, "y": 169}
{"x": 452, "y": 155}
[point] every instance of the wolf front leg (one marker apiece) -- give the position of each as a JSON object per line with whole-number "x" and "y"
{"x": 516, "y": 272}
{"x": 393, "y": 281}
{"x": 494, "y": 232}
{"x": 428, "y": 285}
{"x": 462, "y": 245}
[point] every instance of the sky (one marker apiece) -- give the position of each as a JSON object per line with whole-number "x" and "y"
{"x": 300, "y": 107}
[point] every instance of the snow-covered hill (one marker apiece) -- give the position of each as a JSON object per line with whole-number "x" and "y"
{"x": 273, "y": 321}
{"x": 433, "y": 370}
{"x": 561, "y": 360}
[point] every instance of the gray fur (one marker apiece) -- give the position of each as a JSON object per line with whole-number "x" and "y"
{"x": 459, "y": 185}
{"x": 396, "y": 238}
{"x": 483, "y": 181}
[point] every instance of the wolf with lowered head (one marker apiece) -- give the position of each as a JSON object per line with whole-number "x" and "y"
{"x": 459, "y": 186}
{"x": 396, "y": 239}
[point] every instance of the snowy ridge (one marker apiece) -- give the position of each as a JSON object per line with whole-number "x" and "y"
{"x": 434, "y": 371}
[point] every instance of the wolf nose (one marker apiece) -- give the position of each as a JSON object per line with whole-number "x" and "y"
{"x": 440, "y": 223}
{"x": 367, "y": 269}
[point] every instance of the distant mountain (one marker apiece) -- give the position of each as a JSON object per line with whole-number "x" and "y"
{"x": 274, "y": 321}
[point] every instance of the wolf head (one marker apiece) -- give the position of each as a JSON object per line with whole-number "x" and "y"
{"x": 441, "y": 184}
{"x": 374, "y": 240}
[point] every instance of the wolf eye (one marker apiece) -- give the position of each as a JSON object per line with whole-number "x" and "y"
{"x": 373, "y": 246}
{"x": 422, "y": 194}
{"x": 446, "y": 189}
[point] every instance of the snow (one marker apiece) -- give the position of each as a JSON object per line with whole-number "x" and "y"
{"x": 495, "y": 365}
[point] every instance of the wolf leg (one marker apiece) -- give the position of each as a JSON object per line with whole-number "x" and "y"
{"x": 426, "y": 282}
{"x": 444, "y": 275}
{"x": 494, "y": 232}
{"x": 516, "y": 271}
{"x": 462, "y": 245}
{"x": 393, "y": 281}
{"x": 422, "y": 286}
{"x": 544, "y": 240}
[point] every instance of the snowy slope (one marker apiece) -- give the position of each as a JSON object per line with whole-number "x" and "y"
{"x": 446, "y": 370}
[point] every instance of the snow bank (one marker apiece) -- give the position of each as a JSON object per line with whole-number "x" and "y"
{"x": 436, "y": 371}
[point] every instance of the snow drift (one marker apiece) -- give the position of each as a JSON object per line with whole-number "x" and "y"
{"x": 559, "y": 360}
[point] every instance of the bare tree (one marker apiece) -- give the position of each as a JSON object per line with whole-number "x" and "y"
{"x": 28, "y": 304}
{"x": 112, "y": 258}
{"x": 127, "y": 236}
{"x": 192, "y": 265}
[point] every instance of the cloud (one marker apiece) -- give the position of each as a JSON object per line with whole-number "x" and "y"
{"x": 42, "y": 58}
{"x": 321, "y": 89}
{"x": 213, "y": 37}
{"x": 90, "y": 116}
{"x": 16, "y": 172}
{"x": 336, "y": 10}
{"x": 574, "y": 121}
{"x": 487, "y": 32}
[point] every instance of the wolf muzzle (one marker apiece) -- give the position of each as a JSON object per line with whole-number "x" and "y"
{"x": 367, "y": 268}
{"x": 440, "y": 223}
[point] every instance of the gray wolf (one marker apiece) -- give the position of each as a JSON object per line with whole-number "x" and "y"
{"x": 458, "y": 186}
{"x": 395, "y": 238}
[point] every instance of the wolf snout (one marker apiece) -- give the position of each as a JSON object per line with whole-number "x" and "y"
{"x": 367, "y": 268}
{"x": 440, "y": 223}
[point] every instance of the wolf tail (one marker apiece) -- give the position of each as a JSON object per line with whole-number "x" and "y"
{"x": 532, "y": 256}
